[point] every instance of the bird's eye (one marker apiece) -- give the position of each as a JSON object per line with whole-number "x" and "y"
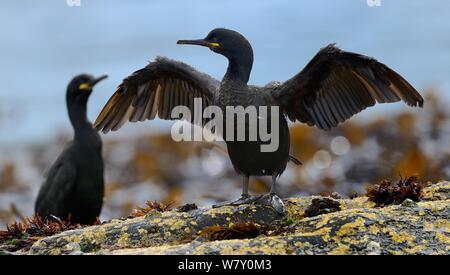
{"x": 84, "y": 86}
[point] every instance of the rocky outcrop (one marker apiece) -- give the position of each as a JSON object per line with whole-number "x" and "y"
{"x": 350, "y": 226}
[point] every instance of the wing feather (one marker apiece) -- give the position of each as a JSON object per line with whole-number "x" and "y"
{"x": 336, "y": 84}
{"x": 154, "y": 91}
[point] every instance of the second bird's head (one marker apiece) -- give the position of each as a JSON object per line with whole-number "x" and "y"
{"x": 228, "y": 43}
{"x": 80, "y": 87}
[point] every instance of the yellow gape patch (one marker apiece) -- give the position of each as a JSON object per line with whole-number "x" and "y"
{"x": 213, "y": 44}
{"x": 85, "y": 86}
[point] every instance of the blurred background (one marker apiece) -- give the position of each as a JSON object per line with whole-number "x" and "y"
{"x": 44, "y": 44}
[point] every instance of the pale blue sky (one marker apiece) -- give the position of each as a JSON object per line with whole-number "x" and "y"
{"x": 45, "y": 43}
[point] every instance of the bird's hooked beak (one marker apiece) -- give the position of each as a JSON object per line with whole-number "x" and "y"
{"x": 199, "y": 42}
{"x": 89, "y": 85}
{"x": 98, "y": 79}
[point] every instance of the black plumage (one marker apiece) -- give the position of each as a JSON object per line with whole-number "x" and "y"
{"x": 74, "y": 187}
{"x": 332, "y": 87}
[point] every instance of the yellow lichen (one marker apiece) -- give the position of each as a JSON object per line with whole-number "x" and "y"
{"x": 422, "y": 212}
{"x": 442, "y": 225}
{"x": 302, "y": 244}
{"x": 220, "y": 211}
{"x": 443, "y": 238}
{"x": 177, "y": 225}
{"x": 325, "y": 219}
{"x": 401, "y": 237}
{"x": 142, "y": 231}
{"x": 415, "y": 249}
{"x": 75, "y": 238}
{"x": 341, "y": 249}
{"x": 55, "y": 251}
{"x": 228, "y": 250}
{"x": 369, "y": 215}
{"x": 349, "y": 228}
{"x": 373, "y": 229}
{"x": 366, "y": 224}
{"x": 166, "y": 214}
{"x": 323, "y": 232}
{"x": 123, "y": 240}
{"x": 157, "y": 220}
{"x": 97, "y": 235}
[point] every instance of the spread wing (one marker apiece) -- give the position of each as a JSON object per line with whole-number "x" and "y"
{"x": 336, "y": 84}
{"x": 54, "y": 193}
{"x": 156, "y": 90}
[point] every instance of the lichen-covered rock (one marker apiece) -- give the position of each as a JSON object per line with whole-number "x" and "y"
{"x": 357, "y": 228}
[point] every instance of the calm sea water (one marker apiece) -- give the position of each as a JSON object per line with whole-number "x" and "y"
{"x": 44, "y": 44}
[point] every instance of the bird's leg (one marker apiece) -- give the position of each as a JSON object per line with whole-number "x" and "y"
{"x": 274, "y": 181}
{"x": 245, "y": 197}
{"x": 272, "y": 199}
{"x": 245, "y": 181}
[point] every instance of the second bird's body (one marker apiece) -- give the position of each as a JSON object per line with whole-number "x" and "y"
{"x": 74, "y": 186}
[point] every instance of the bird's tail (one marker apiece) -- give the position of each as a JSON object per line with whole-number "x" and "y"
{"x": 294, "y": 160}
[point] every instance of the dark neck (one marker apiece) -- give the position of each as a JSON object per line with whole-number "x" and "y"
{"x": 78, "y": 116}
{"x": 239, "y": 68}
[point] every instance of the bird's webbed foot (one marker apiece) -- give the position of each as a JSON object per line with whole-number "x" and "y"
{"x": 244, "y": 199}
{"x": 272, "y": 200}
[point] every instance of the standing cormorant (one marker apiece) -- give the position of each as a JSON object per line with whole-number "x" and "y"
{"x": 332, "y": 87}
{"x": 73, "y": 188}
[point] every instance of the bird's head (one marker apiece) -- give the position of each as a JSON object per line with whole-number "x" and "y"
{"x": 231, "y": 44}
{"x": 80, "y": 87}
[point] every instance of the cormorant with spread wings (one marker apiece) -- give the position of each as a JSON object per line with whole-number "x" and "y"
{"x": 332, "y": 87}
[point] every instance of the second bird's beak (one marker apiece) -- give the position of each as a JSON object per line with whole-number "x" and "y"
{"x": 199, "y": 42}
{"x": 97, "y": 80}
{"x": 87, "y": 86}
